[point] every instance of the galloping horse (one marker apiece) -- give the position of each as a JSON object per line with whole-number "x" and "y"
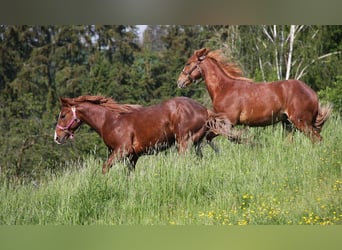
{"x": 133, "y": 130}
{"x": 244, "y": 102}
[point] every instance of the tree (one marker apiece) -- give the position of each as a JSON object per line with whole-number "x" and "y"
{"x": 274, "y": 52}
{"x": 152, "y": 38}
{"x": 179, "y": 43}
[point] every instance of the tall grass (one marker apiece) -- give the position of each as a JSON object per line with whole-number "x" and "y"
{"x": 270, "y": 181}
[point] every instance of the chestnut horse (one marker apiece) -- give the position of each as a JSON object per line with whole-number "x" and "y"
{"x": 244, "y": 102}
{"x": 130, "y": 131}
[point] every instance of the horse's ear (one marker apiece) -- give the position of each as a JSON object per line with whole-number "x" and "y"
{"x": 63, "y": 101}
{"x": 201, "y": 53}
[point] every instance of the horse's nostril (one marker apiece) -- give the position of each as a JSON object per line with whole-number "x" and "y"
{"x": 56, "y": 138}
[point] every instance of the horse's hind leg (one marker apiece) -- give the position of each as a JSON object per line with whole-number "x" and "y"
{"x": 209, "y": 137}
{"x": 288, "y": 128}
{"x": 198, "y": 149}
{"x": 304, "y": 124}
{"x": 311, "y": 133}
{"x": 197, "y": 139}
{"x": 132, "y": 162}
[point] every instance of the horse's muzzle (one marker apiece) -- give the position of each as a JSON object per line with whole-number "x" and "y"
{"x": 182, "y": 84}
{"x": 61, "y": 139}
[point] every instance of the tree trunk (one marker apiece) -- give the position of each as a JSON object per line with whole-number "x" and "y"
{"x": 289, "y": 59}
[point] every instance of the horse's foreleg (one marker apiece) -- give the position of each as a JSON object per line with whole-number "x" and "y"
{"x": 109, "y": 162}
{"x": 116, "y": 155}
{"x": 182, "y": 146}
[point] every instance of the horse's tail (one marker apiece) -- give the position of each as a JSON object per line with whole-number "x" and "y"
{"x": 219, "y": 124}
{"x": 324, "y": 113}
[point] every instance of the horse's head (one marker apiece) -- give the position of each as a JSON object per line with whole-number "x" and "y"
{"x": 67, "y": 122}
{"x": 192, "y": 70}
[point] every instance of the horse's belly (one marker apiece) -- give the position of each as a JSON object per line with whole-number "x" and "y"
{"x": 149, "y": 144}
{"x": 260, "y": 119}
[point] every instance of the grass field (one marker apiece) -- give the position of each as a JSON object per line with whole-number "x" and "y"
{"x": 269, "y": 182}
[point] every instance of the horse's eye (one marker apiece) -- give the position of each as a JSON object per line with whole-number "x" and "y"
{"x": 62, "y": 116}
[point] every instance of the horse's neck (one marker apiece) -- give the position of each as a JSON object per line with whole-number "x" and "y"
{"x": 94, "y": 115}
{"x": 214, "y": 78}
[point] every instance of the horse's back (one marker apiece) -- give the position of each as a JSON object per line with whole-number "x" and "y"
{"x": 164, "y": 122}
{"x": 286, "y": 91}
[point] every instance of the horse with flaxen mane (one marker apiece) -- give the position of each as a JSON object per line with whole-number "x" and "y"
{"x": 244, "y": 102}
{"x": 133, "y": 130}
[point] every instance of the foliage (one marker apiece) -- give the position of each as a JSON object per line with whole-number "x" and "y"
{"x": 39, "y": 64}
{"x": 264, "y": 51}
{"x": 333, "y": 94}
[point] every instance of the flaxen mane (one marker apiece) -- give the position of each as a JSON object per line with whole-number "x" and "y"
{"x": 232, "y": 70}
{"x": 106, "y": 102}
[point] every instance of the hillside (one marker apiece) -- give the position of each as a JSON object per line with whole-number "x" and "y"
{"x": 267, "y": 181}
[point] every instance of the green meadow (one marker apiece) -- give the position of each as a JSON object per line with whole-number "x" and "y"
{"x": 271, "y": 180}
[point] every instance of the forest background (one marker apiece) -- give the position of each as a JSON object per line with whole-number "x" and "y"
{"x": 39, "y": 64}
